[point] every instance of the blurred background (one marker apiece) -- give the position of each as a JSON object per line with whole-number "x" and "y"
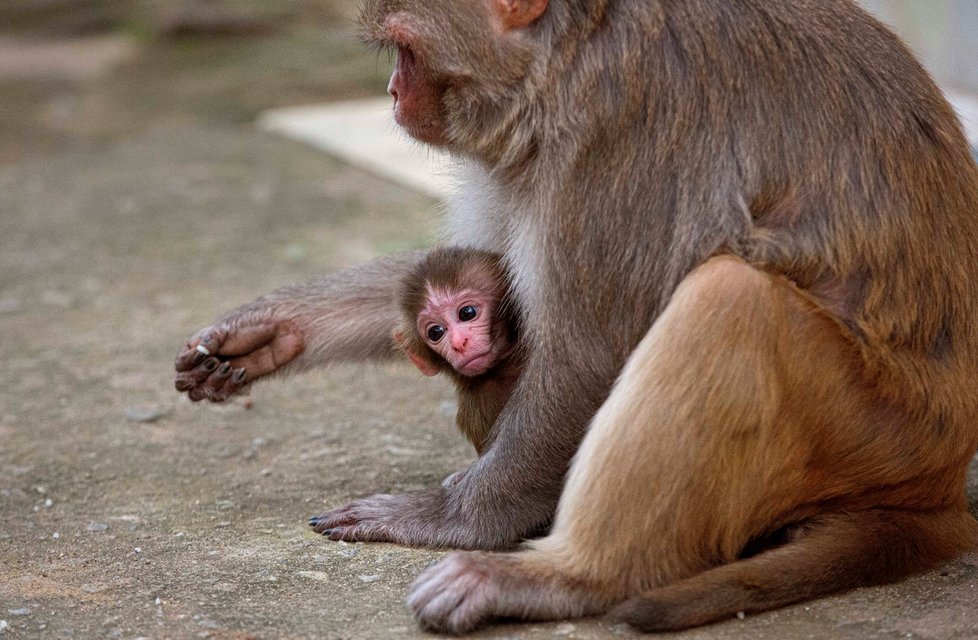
{"x": 944, "y": 33}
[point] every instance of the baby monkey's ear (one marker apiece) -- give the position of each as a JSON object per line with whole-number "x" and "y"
{"x": 422, "y": 360}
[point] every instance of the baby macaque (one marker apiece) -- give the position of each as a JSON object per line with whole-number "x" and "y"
{"x": 458, "y": 319}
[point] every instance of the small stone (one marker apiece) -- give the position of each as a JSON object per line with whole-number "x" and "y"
{"x": 127, "y": 518}
{"x": 54, "y": 298}
{"x": 9, "y": 305}
{"x": 347, "y": 553}
{"x": 295, "y": 252}
{"x": 741, "y": 615}
{"x": 145, "y": 414}
{"x": 40, "y": 489}
{"x": 138, "y": 550}
{"x": 4, "y": 626}
{"x": 448, "y": 408}
{"x": 222, "y": 525}
{"x": 158, "y": 602}
{"x": 319, "y": 576}
{"x": 56, "y": 535}
{"x": 90, "y": 588}
{"x": 24, "y": 611}
{"x": 266, "y": 472}
{"x": 565, "y": 629}
{"x": 372, "y": 578}
{"x": 48, "y": 503}
{"x": 97, "y": 527}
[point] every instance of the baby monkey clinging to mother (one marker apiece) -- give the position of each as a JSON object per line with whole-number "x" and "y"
{"x": 458, "y": 318}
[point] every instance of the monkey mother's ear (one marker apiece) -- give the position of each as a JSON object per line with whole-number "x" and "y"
{"x": 515, "y": 14}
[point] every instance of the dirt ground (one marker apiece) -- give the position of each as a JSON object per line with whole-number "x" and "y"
{"x": 137, "y": 204}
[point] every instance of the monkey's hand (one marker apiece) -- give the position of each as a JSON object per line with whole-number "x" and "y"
{"x": 222, "y": 360}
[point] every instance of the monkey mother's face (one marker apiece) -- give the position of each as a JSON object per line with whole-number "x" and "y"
{"x": 455, "y": 60}
{"x": 417, "y": 99}
{"x": 459, "y": 328}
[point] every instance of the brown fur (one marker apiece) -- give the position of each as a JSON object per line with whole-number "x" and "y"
{"x": 761, "y": 218}
{"x": 480, "y": 398}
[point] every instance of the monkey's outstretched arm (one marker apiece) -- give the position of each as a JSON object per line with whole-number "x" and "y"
{"x": 347, "y": 315}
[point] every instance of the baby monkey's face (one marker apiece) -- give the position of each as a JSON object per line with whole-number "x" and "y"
{"x": 464, "y": 328}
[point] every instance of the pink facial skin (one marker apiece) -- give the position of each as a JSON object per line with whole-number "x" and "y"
{"x": 458, "y": 326}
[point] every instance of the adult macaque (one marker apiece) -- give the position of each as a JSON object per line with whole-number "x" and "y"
{"x": 457, "y": 319}
{"x": 759, "y": 217}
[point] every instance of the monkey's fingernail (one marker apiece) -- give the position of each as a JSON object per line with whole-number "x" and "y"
{"x": 329, "y": 532}
{"x": 203, "y": 350}
{"x": 211, "y": 364}
{"x": 238, "y": 376}
{"x": 224, "y": 368}
{"x": 198, "y": 358}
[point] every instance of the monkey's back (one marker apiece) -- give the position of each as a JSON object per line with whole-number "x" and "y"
{"x": 829, "y": 156}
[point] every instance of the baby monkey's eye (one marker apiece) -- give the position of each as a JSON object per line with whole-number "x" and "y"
{"x": 436, "y": 333}
{"x": 467, "y": 313}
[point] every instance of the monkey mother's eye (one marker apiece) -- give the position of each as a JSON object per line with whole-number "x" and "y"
{"x": 467, "y": 313}
{"x": 436, "y": 333}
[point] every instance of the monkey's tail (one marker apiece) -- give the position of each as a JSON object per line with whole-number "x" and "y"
{"x": 829, "y": 554}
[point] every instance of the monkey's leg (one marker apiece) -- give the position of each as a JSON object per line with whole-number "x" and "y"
{"x": 834, "y": 553}
{"x": 741, "y": 411}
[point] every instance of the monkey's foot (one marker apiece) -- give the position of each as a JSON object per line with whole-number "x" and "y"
{"x": 431, "y": 518}
{"x": 366, "y": 520}
{"x": 458, "y": 595}
{"x": 467, "y": 590}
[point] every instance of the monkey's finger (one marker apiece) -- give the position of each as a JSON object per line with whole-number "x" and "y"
{"x": 451, "y": 596}
{"x": 425, "y": 588}
{"x": 334, "y": 519}
{"x": 191, "y": 379}
{"x": 234, "y": 383}
{"x": 196, "y": 394}
{"x": 204, "y": 370}
{"x": 357, "y": 533}
{"x": 188, "y": 359}
{"x": 245, "y": 338}
{"x": 200, "y": 378}
{"x": 215, "y": 382}
{"x": 193, "y": 353}
{"x": 184, "y": 382}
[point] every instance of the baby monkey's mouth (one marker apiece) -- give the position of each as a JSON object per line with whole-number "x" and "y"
{"x": 476, "y": 365}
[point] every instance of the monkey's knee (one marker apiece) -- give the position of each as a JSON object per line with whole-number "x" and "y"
{"x": 723, "y": 285}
